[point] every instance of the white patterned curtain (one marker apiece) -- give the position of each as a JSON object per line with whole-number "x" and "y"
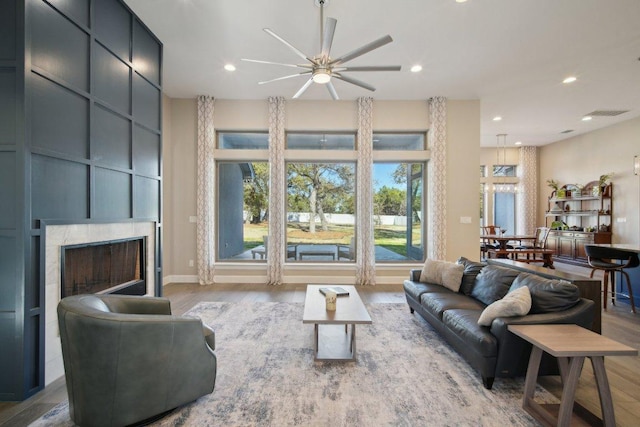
{"x": 205, "y": 237}
{"x": 437, "y": 179}
{"x": 365, "y": 251}
{"x": 275, "y": 243}
{"x": 528, "y": 191}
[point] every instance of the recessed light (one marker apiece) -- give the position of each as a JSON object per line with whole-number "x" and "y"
{"x": 416, "y": 68}
{"x": 518, "y": 143}
{"x": 230, "y": 67}
{"x": 461, "y": 1}
{"x": 569, "y": 79}
{"x": 586, "y": 118}
{"x": 497, "y": 118}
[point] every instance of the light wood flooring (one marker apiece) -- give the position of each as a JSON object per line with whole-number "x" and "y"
{"x": 617, "y": 323}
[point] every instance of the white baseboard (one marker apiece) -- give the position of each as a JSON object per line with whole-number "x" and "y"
{"x": 186, "y": 278}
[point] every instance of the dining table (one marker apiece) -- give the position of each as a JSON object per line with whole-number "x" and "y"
{"x": 503, "y": 239}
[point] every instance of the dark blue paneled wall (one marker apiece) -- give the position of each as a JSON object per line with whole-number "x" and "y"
{"x": 80, "y": 141}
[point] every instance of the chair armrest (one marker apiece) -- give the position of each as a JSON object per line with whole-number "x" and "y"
{"x": 209, "y": 336}
{"x": 137, "y": 305}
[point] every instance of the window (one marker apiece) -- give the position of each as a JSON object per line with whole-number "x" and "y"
{"x": 504, "y": 170}
{"x": 320, "y": 191}
{"x": 397, "y": 210}
{"x": 398, "y": 141}
{"x": 321, "y": 209}
{"x": 483, "y": 171}
{"x": 243, "y": 210}
{"x": 482, "y": 204}
{"x": 243, "y": 140}
{"x": 504, "y": 211}
{"x": 321, "y": 141}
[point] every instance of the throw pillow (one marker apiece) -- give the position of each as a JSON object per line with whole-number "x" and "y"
{"x": 548, "y": 295}
{"x": 493, "y": 283}
{"x": 515, "y": 303}
{"x": 447, "y": 274}
{"x": 471, "y": 271}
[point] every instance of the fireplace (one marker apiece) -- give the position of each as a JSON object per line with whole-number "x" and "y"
{"x": 115, "y": 266}
{"x": 58, "y": 237}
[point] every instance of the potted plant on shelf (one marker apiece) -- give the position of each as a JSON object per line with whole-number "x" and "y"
{"x": 603, "y": 181}
{"x": 556, "y": 188}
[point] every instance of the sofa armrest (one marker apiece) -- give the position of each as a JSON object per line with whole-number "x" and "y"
{"x": 581, "y": 314}
{"x": 513, "y": 351}
{"x": 414, "y": 274}
{"x": 136, "y": 305}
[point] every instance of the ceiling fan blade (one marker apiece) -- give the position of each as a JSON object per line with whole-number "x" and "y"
{"x": 289, "y": 45}
{"x": 258, "y": 61}
{"x": 332, "y": 91}
{"x": 303, "y": 88}
{"x": 371, "y": 68}
{"x": 327, "y": 40}
{"x": 362, "y": 50}
{"x": 354, "y": 82}
{"x": 285, "y": 77}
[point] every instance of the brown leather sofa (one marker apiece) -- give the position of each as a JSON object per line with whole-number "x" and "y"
{"x": 493, "y": 350}
{"x": 127, "y": 359}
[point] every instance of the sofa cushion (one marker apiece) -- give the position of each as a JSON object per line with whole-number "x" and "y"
{"x": 447, "y": 274}
{"x": 438, "y": 302}
{"x": 415, "y": 289}
{"x": 548, "y": 295}
{"x": 493, "y": 283}
{"x": 515, "y": 303}
{"x": 464, "y": 323}
{"x": 471, "y": 271}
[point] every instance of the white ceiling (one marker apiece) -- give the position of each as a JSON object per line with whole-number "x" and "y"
{"x": 512, "y": 55}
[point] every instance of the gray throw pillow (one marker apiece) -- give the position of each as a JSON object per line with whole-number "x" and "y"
{"x": 548, "y": 295}
{"x": 493, "y": 283}
{"x": 471, "y": 271}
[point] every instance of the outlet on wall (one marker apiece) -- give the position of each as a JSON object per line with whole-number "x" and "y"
{"x": 191, "y": 263}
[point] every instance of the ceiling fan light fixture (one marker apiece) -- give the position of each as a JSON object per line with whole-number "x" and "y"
{"x": 321, "y": 76}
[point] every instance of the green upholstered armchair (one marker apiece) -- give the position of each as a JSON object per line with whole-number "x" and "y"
{"x": 127, "y": 359}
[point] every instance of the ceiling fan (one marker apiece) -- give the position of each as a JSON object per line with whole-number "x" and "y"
{"x": 321, "y": 68}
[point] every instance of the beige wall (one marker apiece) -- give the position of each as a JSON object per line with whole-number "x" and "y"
{"x": 179, "y": 188}
{"x": 180, "y": 177}
{"x": 584, "y": 158}
{"x": 463, "y": 178}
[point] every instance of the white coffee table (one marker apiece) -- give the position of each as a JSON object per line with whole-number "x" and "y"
{"x": 331, "y": 341}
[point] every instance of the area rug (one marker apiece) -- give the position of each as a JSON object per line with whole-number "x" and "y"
{"x": 405, "y": 375}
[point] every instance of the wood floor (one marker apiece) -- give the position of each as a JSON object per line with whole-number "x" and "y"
{"x": 617, "y": 323}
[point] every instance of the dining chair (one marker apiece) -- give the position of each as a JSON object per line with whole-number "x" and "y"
{"x": 610, "y": 260}
{"x": 485, "y": 244}
{"x": 542, "y": 233}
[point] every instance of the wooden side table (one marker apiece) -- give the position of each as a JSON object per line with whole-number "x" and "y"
{"x": 570, "y": 344}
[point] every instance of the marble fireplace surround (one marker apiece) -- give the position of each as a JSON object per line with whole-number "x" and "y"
{"x": 57, "y": 235}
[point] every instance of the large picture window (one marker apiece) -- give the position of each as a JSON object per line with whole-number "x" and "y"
{"x": 320, "y": 186}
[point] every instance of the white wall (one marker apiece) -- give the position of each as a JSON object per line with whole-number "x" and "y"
{"x": 463, "y": 130}
{"x": 584, "y": 158}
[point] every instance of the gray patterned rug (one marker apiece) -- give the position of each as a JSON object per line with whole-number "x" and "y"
{"x": 405, "y": 375}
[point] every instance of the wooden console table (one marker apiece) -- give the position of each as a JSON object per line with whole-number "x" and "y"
{"x": 570, "y": 344}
